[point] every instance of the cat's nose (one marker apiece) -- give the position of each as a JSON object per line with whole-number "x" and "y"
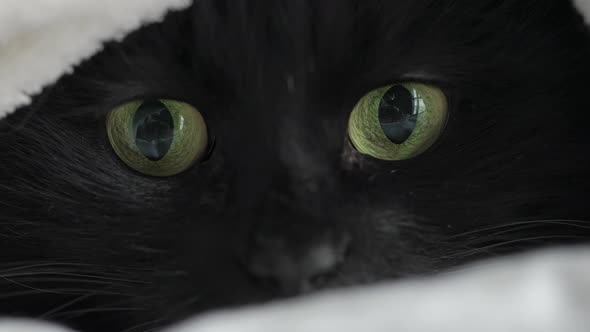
{"x": 296, "y": 266}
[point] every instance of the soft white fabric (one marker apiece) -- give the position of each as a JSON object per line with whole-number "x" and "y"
{"x": 40, "y": 40}
{"x": 542, "y": 292}
{"x": 546, "y": 292}
{"x": 21, "y": 325}
{"x": 584, "y": 8}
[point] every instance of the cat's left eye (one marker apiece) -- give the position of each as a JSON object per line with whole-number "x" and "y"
{"x": 399, "y": 121}
{"x": 157, "y": 137}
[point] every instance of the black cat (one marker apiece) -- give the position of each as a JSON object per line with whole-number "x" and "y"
{"x": 277, "y": 189}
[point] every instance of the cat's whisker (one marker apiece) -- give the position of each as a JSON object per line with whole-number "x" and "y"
{"x": 506, "y": 243}
{"x": 151, "y": 330}
{"x": 18, "y": 294}
{"x": 63, "y": 291}
{"x": 10, "y": 205}
{"x": 559, "y": 222}
{"x": 70, "y": 279}
{"x": 76, "y": 277}
{"x": 75, "y": 270}
{"x": 497, "y": 234}
{"x": 143, "y": 325}
{"x": 64, "y": 280}
{"x": 65, "y": 305}
{"x": 460, "y": 269}
{"x": 29, "y": 287}
{"x": 13, "y": 266}
{"x": 81, "y": 312}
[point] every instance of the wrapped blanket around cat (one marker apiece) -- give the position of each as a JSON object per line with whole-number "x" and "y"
{"x": 547, "y": 291}
{"x": 544, "y": 292}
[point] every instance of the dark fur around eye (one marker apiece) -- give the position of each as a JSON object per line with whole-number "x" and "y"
{"x": 90, "y": 243}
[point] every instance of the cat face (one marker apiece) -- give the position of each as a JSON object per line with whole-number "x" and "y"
{"x": 283, "y": 202}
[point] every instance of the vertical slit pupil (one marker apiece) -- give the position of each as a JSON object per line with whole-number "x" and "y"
{"x": 153, "y": 127}
{"x": 397, "y": 114}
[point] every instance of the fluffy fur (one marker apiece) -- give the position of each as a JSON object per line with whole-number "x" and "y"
{"x": 90, "y": 243}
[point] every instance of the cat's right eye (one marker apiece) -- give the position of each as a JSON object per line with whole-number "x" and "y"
{"x": 157, "y": 137}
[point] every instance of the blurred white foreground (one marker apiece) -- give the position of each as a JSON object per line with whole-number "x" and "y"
{"x": 548, "y": 291}
{"x": 545, "y": 292}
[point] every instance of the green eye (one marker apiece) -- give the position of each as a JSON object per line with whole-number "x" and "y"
{"x": 157, "y": 137}
{"x": 398, "y": 121}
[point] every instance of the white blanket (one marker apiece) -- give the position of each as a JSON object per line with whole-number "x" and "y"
{"x": 40, "y": 40}
{"x": 547, "y": 291}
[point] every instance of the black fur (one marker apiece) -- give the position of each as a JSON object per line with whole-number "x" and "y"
{"x": 88, "y": 242}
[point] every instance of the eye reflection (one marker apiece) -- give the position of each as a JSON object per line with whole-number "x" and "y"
{"x": 154, "y": 129}
{"x": 398, "y": 114}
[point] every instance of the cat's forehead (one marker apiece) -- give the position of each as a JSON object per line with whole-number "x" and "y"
{"x": 409, "y": 31}
{"x": 279, "y": 45}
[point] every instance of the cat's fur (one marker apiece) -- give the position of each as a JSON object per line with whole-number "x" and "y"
{"x": 87, "y": 241}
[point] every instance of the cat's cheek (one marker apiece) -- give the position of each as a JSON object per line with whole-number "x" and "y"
{"x": 388, "y": 242}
